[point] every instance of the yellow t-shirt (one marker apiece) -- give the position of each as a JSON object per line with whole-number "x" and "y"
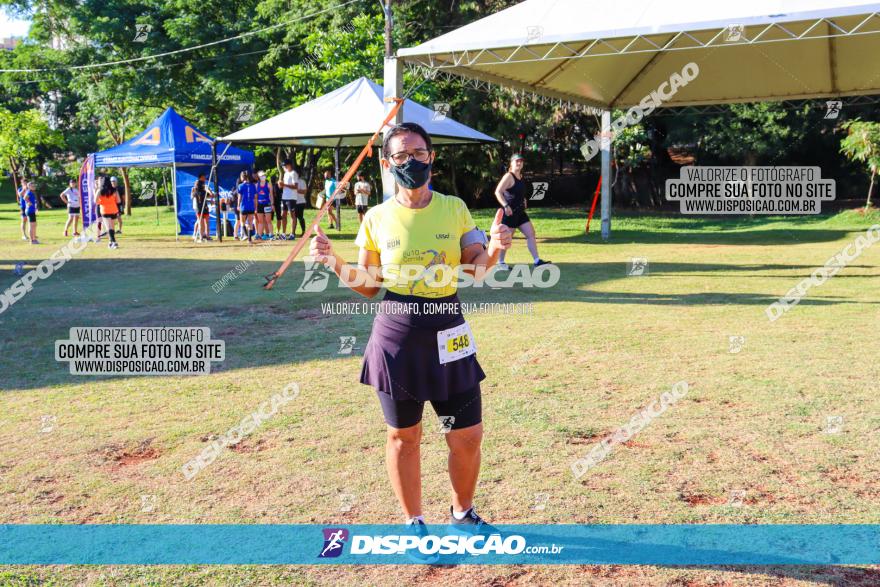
{"x": 418, "y": 248}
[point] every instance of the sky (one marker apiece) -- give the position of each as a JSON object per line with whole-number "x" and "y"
{"x": 10, "y": 27}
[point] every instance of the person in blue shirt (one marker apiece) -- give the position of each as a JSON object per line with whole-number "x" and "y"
{"x": 247, "y": 205}
{"x": 264, "y": 207}
{"x": 30, "y": 210}
{"x": 19, "y": 195}
{"x": 329, "y": 188}
{"x": 238, "y": 230}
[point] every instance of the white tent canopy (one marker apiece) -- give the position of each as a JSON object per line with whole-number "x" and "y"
{"x": 348, "y": 117}
{"x": 612, "y": 55}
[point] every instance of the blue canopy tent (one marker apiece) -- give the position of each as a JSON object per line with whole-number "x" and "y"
{"x": 171, "y": 141}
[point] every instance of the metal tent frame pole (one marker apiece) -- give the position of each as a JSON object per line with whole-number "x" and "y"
{"x": 174, "y": 192}
{"x": 214, "y": 172}
{"x": 605, "y": 145}
{"x": 156, "y": 201}
{"x": 336, "y": 202}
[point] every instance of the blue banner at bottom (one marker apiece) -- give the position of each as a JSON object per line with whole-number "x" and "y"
{"x": 685, "y": 544}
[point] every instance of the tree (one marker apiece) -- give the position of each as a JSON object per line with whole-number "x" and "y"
{"x": 862, "y": 144}
{"x": 631, "y": 150}
{"x": 745, "y": 134}
{"x": 22, "y": 136}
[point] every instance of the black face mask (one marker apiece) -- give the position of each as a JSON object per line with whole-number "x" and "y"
{"x": 412, "y": 174}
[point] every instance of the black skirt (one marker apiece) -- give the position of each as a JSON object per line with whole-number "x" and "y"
{"x": 401, "y": 357}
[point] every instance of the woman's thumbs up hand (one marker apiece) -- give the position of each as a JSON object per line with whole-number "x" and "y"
{"x": 500, "y": 236}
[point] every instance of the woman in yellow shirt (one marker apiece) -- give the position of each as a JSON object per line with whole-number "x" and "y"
{"x": 421, "y": 349}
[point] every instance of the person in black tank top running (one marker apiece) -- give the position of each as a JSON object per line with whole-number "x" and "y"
{"x": 511, "y": 194}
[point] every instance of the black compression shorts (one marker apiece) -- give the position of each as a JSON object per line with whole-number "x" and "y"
{"x": 461, "y": 410}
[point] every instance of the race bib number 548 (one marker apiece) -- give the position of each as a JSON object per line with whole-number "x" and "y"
{"x": 456, "y": 343}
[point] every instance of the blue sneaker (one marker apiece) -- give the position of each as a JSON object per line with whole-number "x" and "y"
{"x": 471, "y": 525}
{"x": 418, "y": 528}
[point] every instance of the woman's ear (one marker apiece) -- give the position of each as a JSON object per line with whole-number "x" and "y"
{"x": 385, "y": 163}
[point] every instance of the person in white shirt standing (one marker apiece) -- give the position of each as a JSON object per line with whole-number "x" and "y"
{"x": 300, "y": 209}
{"x": 362, "y": 196}
{"x": 289, "y": 188}
{"x": 70, "y": 196}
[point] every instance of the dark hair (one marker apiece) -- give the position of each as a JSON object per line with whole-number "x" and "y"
{"x": 106, "y": 186}
{"x": 402, "y": 128}
{"x": 287, "y": 162}
{"x": 201, "y": 175}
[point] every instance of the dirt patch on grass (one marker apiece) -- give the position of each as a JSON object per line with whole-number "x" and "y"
{"x": 697, "y": 498}
{"x": 636, "y": 444}
{"x": 249, "y": 445}
{"x": 119, "y": 455}
{"x": 587, "y": 436}
{"x": 609, "y": 571}
{"x": 48, "y": 496}
{"x": 761, "y": 495}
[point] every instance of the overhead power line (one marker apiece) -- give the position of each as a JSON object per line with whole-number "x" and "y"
{"x": 185, "y": 50}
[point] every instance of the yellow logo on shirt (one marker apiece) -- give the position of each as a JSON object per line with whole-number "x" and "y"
{"x": 436, "y": 259}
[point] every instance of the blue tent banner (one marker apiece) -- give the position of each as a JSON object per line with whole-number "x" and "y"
{"x": 628, "y": 544}
{"x": 171, "y": 141}
{"x": 86, "y": 187}
{"x": 185, "y": 179}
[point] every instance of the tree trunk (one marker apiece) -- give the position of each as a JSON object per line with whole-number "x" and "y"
{"x": 43, "y": 201}
{"x": 453, "y": 174}
{"x": 870, "y": 188}
{"x": 14, "y": 169}
{"x": 310, "y": 173}
{"x": 126, "y": 184}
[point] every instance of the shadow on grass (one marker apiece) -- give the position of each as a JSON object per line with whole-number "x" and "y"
{"x": 669, "y": 228}
{"x": 722, "y": 237}
{"x": 284, "y": 327}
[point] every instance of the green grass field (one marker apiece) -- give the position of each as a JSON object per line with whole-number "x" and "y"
{"x": 595, "y": 349}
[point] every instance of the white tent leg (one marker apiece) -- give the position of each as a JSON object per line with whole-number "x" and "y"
{"x": 174, "y": 192}
{"x": 605, "y": 144}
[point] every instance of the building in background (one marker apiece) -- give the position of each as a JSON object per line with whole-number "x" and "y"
{"x": 9, "y": 44}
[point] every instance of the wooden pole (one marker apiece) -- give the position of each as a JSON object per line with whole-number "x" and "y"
{"x": 365, "y": 152}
